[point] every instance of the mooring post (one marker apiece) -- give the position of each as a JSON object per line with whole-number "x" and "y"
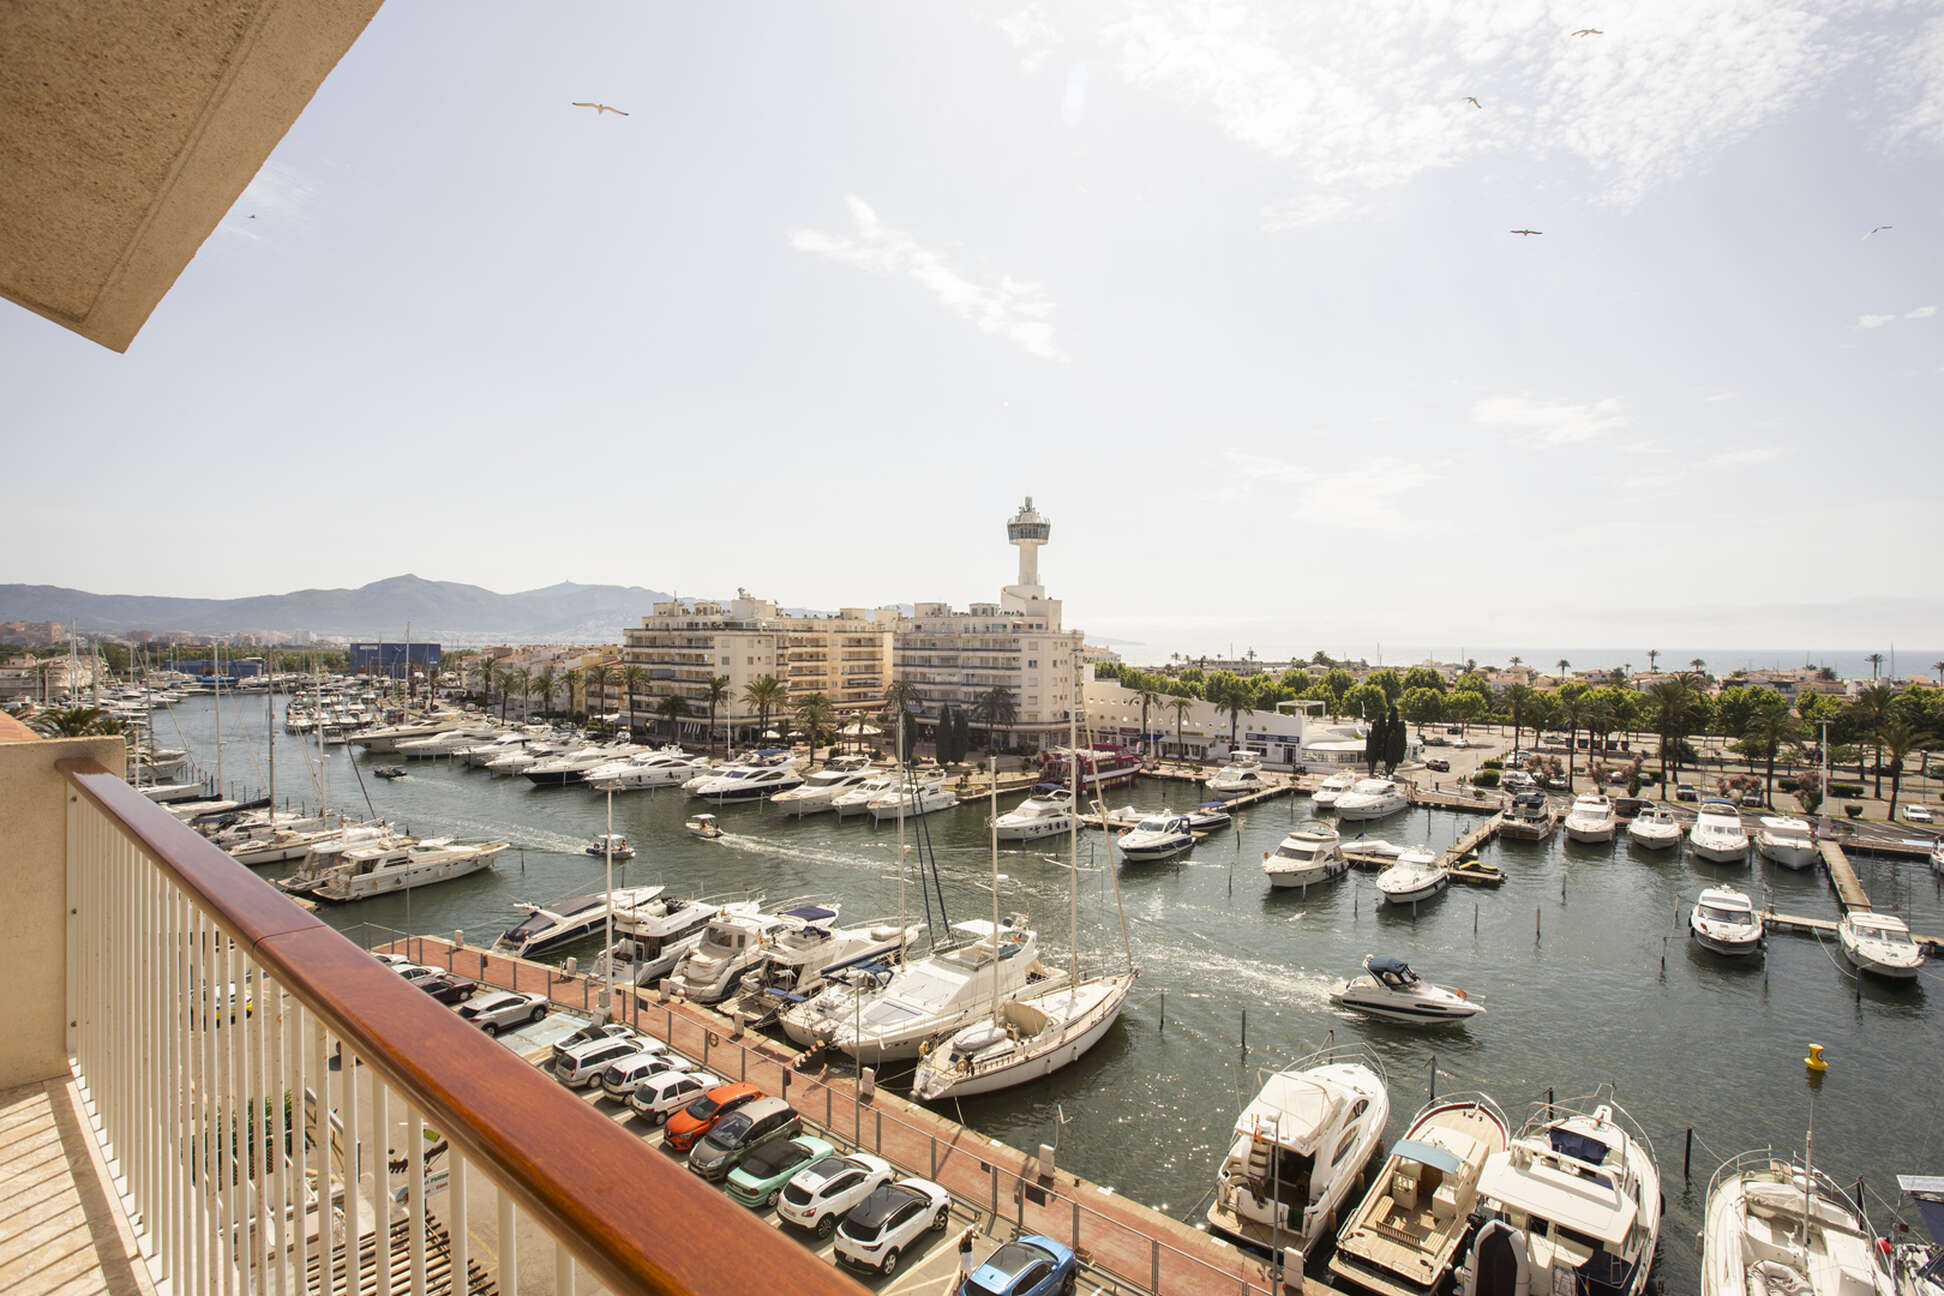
{"x": 1434, "y": 1077}
{"x": 1687, "y": 1158}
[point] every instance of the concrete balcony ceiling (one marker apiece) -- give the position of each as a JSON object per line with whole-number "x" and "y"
{"x": 127, "y": 131}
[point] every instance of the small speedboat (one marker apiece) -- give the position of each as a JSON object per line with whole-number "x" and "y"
{"x": 704, "y": 826}
{"x": 389, "y": 772}
{"x": 1208, "y": 817}
{"x": 1718, "y": 834}
{"x": 1724, "y": 920}
{"x": 1157, "y": 837}
{"x": 1311, "y": 853}
{"x": 1333, "y": 787}
{"x": 1591, "y": 819}
{"x": 1879, "y": 944}
{"x": 1417, "y": 875}
{"x": 1787, "y": 841}
{"x": 610, "y": 845}
{"x": 1655, "y": 829}
{"x": 1392, "y": 991}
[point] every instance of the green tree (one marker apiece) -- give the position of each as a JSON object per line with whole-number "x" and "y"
{"x": 1231, "y": 697}
{"x": 1149, "y": 697}
{"x": 1672, "y": 701}
{"x": 1388, "y": 681}
{"x": 1518, "y": 704}
{"x": 715, "y": 692}
{"x": 765, "y": 693}
{"x": 1180, "y": 706}
{"x": 1395, "y": 741}
{"x": 494, "y": 675}
{"x": 1769, "y": 724}
{"x": 1422, "y": 706}
{"x": 815, "y": 717}
{"x": 595, "y": 678}
{"x": 674, "y": 709}
{"x": 1898, "y": 737}
{"x": 1366, "y": 701}
{"x": 74, "y": 722}
{"x": 1423, "y": 677}
{"x": 1870, "y": 711}
{"x": 1464, "y": 706}
{"x": 1332, "y": 687}
{"x": 1876, "y": 664}
{"x": 633, "y": 677}
{"x": 1653, "y": 661}
{"x": 1374, "y": 741}
{"x": 523, "y": 681}
{"x": 996, "y": 708}
{"x": 548, "y": 682}
{"x": 1573, "y": 709}
{"x": 1564, "y": 666}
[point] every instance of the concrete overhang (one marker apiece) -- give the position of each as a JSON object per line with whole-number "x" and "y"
{"x": 128, "y": 129}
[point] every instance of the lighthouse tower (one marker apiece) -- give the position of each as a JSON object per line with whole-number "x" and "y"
{"x": 1029, "y": 531}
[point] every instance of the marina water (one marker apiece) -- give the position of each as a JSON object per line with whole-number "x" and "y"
{"x": 1567, "y": 956}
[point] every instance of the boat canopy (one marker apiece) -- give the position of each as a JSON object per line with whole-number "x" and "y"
{"x": 1580, "y": 1147}
{"x": 811, "y": 913}
{"x": 1425, "y": 1154}
{"x": 1381, "y": 964}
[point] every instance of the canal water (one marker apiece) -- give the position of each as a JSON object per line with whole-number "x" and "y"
{"x": 1581, "y": 958}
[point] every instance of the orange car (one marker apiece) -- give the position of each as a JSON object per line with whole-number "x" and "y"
{"x": 700, "y": 1116}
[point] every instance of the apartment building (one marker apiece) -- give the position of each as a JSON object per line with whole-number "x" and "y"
{"x": 845, "y": 656}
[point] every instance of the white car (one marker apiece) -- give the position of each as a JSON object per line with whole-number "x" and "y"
{"x": 818, "y": 1195}
{"x": 581, "y": 1065}
{"x": 889, "y": 1222}
{"x": 415, "y": 972}
{"x": 666, "y": 1092}
{"x": 392, "y": 960}
{"x": 625, "y": 1075}
{"x": 501, "y": 1009}
{"x": 1918, "y": 814}
{"x": 593, "y": 1031}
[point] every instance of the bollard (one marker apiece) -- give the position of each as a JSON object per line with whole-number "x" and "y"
{"x": 1046, "y": 1161}
{"x": 866, "y": 1084}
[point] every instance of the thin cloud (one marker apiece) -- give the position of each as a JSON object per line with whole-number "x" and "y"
{"x": 1019, "y": 311}
{"x": 1917, "y": 76}
{"x": 1365, "y": 497}
{"x": 1547, "y": 425}
{"x": 1749, "y": 457}
{"x": 1922, "y": 312}
{"x": 1873, "y": 321}
{"x": 1718, "y": 397}
{"x": 278, "y": 202}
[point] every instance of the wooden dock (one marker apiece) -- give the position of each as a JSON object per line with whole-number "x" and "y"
{"x": 1472, "y": 840}
{"x": 1849, "y": 891}
{"x": 1468, "y": 801}
{"x": 1825, "y": 928}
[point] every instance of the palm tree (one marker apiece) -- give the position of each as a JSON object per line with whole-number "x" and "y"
{"x": 1517, "y": 699}
{"x": 1939, "y": 668}
{"x": 595, "y": 679}
{"x": 674, "y": 708}
{"x": 1876, "y": 664}
{"x": 1233, "y": 697}
{"x": 568, "y": 678}
{"x": 432, "y": 673}
{"x": 765, "y": 693}
{"x": 1149, "y": 697}
{"x": 1671, "y": 700}
{"x": 523, "y": 680}
{"x": 632, "y": 676}
{"x": 1898, "y": 736}
{"x": 494, "y": 675}
{"x": 1573, "y": 709}
{"x": 547, "y": 682}
{"x": 715, "y": 693}
{"x": 1697, "y": 665}
{"x": 1870, "y": 712}
{"x": 1767, "y": 729}
{"x": 1653, "y": 661}
{"x": 74, "y": 722}
{"x": 1518, "y": 661}
{"x": 1180, "y": 706}
{"x": 1563, "y": 666}
{"x": 995, "y": 709}
{"x": 814, "y": 714}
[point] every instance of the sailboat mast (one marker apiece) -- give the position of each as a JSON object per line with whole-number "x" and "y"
{"x": 323, "y": 774}
{"x": 901, "y": 841}
{"x": 216, "y": 684}
{"x": 993, "y": 821}
{"x": 270, "y": 726}
{"x": 1073, "y": 856}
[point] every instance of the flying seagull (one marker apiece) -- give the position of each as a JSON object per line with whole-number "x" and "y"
{"x": 1473, "y": 102}
{"x": 1527, "y": 231}
{"x": 598, "y": 108}
{"x": 1880, "y": 227}
{"x": 1589, "y": 31}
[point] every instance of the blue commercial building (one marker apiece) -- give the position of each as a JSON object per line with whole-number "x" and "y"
{"x": 234, "y": 668}
{"x": 387, "y": 658}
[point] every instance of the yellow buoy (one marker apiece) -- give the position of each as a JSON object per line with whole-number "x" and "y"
{"x": 1815, "y": 1060}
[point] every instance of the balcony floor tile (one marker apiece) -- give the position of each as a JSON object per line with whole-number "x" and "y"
{"x": 61, "y": 1229}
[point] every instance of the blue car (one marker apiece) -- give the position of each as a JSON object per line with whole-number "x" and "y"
{"x": 1028, "y": 1266}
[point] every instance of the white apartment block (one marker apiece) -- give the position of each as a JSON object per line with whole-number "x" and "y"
{"x": 951, "y": 658}
{"x": 845, "y": 657}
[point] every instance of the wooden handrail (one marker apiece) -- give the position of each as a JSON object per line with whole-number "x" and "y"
{"x": 642, "y": 1222}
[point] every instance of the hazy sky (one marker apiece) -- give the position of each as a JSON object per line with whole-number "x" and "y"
{"x": 1228, "y": 287}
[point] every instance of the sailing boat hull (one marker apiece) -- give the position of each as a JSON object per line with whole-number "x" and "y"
{"x": 1089, "y": 1031}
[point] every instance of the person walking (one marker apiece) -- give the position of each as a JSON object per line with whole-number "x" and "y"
{"x": 966, "y": 1264}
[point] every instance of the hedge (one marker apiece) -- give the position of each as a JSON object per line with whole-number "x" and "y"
{"x": 1486, "y": 778}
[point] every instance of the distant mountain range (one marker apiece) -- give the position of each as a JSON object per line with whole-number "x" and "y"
{"x": 435, "y": 609}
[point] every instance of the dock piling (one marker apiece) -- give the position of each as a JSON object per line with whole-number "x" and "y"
{"x": 1687, "y": 1158}
{"x": 1535, "y": 924}
{"x": 1434, "y": 1077}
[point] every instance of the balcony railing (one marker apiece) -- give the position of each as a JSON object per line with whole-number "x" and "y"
{"x": 259, "y": 1085}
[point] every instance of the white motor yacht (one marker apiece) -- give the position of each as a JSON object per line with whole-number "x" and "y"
{"x": 1417, "y": 875}
{"x": 1242, "y": 776}
{"x": 1156, "y": 837}
{"x": 1775, "y": 1228}
{"x": 569, "y": 767}
{"x": 1879, "y": 944}
{"x": 1046, "y": 813}
{"x": 1655, "y": 829}
{"x": 387, "y": 740}
{"x": 1311, "y": 853}
{"x": 1208, "y": 817}
{"x": 1300, "y": 1149}
{"x": 1718, "y": 834}
{"x": 481, "y": 754}
{"x": 650, "y": 938}
{"x": 1572, "y": 1205}
{"x": 379, "y": 870}
{"x": 1389, "y": 989}
{"x": 1403, "y": 1238}
{"x": 819, "y": 791}
{"x": 929, "y": 996}
{"x": 1724, "y": 920}
{"x": 525, "y": 756}
{"x": 1787, "y": 841}
{"x": 546, "y": 926}
{"x": 749, "y": 783}
{"x": 805, "y": 947}
{"x": 1372, "y": 798}
{"x": 1331, "y": 788}
{"x": 919, "y": 798}
{"x": 731, "y": 945}
{"x": 858, "y": 800}
{"x": 657, "y": 769}
{"x": 1591, "y": 819}
{"x": 449, "y": 743}
{"x": 1528, "y": 817}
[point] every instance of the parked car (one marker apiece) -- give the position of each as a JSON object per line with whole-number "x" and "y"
{"x": 391, "y": 960}
{"x": 886, "y": 1224}
{"x": 624, "y": 1075}
{"x": 819, "y": 1194}
{"x": 1461, "y": 742}
{"x": 593, "y": 1031}
{"x": 581, "y": 1065}
{"x": 1686, "y": 792}
{"x": 663, "y": 1093}
{"x": 500, "y": 1009}
{"x": 695, "y": 1120}
{"x": 1753, "y": 798}
{"x": 1918, "y": 814}
{"x": 1439, "y": 764}
{"x": 741, "y": 1132}
{"x": 416, "y": 972}
{"x": 759, "y": 1180}
{"x": 448, "y": 989}
{"x": 1026, "y": 1266}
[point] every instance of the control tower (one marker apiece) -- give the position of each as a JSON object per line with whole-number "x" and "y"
{"x": 1029, "y": 531}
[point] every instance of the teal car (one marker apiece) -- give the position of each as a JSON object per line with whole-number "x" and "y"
{"x": 762, "y": 1174}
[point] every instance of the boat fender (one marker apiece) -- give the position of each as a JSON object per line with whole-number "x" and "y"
{"x": 924, "y": 1050}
